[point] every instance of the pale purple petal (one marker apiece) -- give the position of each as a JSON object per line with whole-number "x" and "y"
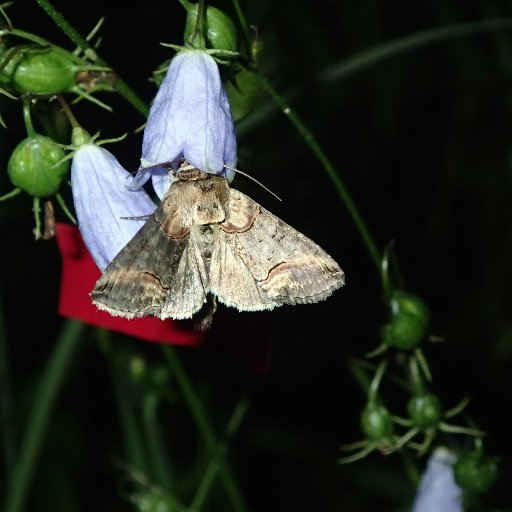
{"x": 438, "y": 491}
{"x": 161, "y": 181}
{"x": 102, "y": 198}
{"x": 190, "y": 117}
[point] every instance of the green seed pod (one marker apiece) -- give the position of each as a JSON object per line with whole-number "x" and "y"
{"x": 409, "y": 321}
{"x": 376, "y": 422}
{"x": 425, "y": 410}
{"x": 219, "y": 29}
{"x": 475, "y": 472}
{"x": 31, "y": 166}
{"x": 39, "y": 71}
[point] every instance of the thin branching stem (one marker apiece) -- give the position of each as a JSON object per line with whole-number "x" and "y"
{"x": 327, "y": 165}
{"x": 121, "y": 86}
{"x": 55, "y": 372}
{"x": 207, "y": 434}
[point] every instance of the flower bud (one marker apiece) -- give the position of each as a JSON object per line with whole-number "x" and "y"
{"x": 408, "y": 323}
{"x": 475, "y": 472}
{"x": 40, "y": 71}
{"x": 438, "y": 490}
{"x": 425, "y": 410}
{"x": 376, "y": 422}
{"x": 219, "y": 29}
{"x": 34, "y": 166}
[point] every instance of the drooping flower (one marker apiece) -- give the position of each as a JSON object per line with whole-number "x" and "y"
{"x": 438, "y": 490}
{"x": 190, "y": 119}
{"x": 109, "y": 212}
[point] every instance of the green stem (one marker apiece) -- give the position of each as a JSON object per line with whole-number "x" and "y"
{"x": 381, "y": 52}
{"x": 203, "y": 425}
{"x": 133, "y": 443}
{"x": 67, "y": 111}
{"x": 213, "y": 467}
{"x": 13, "y": 193}
{"x": 8, "y": 56}
{"x": 205, "y": 485}
{"x": 65, "y": 208}
{"x": 58, "y": 364}
{"x": 357, "y": 367}
{"x": 418, "y": 386}
{"x": 27, "y": 118}
{"x": 155, "y": 444}
{"x": 245, "y": 28}
{"x": 411, "y": 468}
{"x": 327, "y": 165}
{"x": 8, "y": 432}
{"x": 122, "y": 87}
{"x": 387, "y": 284}
{"x": 197, "y": 39}
{"x": 373, "y": 391}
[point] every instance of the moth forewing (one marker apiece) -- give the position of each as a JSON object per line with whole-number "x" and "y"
{"x": 207, "y": 238}
{"x": 285, "y": 266}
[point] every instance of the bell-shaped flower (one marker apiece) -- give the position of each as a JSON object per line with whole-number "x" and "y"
{"x": 109, "y": 212}
{"x": 190, "y": 119}
{"x": 438, "y": 490}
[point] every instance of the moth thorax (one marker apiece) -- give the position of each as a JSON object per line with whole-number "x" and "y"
{"x": 210, "y": 211}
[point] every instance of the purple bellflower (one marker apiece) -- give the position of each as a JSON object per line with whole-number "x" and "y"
{"x": 103, "y": 200}
{"x": 438, "y": 491}
{"x": 190, "y": 119}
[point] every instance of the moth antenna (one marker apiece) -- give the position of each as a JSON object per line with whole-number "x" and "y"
{"x": 138, "y": 217}
{"x": 255, "y": 180}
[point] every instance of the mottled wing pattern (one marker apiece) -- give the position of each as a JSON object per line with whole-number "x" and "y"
{"x": 155, "y": 274}
{"x": 207, "y": 238}
{"x": 188, "y": 282}
{"x": 259, "y": 262}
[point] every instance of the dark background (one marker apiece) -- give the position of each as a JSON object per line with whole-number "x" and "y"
{"x": 421, "y": 140}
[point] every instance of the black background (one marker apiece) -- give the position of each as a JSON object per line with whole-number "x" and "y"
{"x": 421, "y": 140}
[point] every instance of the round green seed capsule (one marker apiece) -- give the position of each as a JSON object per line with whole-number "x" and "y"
{"x": 376, "y": 422}
{"x": 408, "y": 324}
{"x": 425, "y": 410}
{"x": 39, "y": 71}
{"x": 474, "y": 472}
{"x": 32, "y": 168}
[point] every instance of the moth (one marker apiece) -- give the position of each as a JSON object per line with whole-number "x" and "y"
{"x": 207, "y": 238}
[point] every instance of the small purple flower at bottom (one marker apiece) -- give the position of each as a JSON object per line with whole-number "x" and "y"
{"x": 438, "y": 491}
{"x": 109, "y": 212}
{"x": 190, "y": 119}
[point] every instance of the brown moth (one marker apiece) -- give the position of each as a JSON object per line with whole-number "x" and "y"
{"x": 207, "y": 238}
